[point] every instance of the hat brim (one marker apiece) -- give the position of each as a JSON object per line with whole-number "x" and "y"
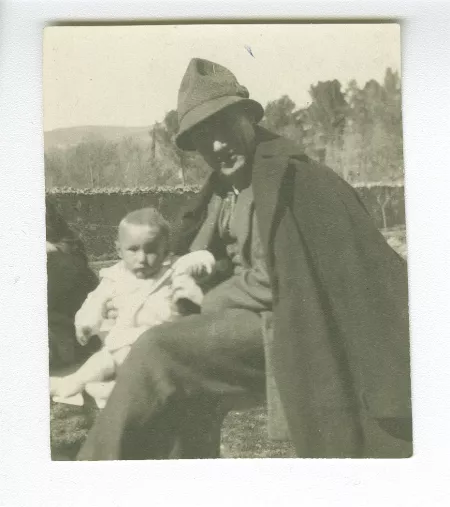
{"x": 208, "y": 109}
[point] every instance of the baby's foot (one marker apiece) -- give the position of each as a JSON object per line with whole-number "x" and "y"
{"x": 100, "y": 391}
{"x": 64, "y": 387}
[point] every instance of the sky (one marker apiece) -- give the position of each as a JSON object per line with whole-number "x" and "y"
{"x": 129, "y": 75}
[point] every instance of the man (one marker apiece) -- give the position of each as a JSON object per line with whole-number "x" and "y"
{"x": 300, "y": 245}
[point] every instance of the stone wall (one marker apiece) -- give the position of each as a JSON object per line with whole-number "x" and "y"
{"x": 95, "y": 214}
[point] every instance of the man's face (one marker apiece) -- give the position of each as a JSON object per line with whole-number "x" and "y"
{"x": 142, "y": 248}
{"x": 226, "y": 141}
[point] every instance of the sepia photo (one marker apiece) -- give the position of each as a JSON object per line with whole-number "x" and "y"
{"x": 226, "y": 242}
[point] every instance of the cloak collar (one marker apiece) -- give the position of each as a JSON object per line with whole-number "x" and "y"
{"x": 271, "y": 161}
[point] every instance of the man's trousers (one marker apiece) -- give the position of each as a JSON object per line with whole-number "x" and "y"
{"x": 171, "y": 390}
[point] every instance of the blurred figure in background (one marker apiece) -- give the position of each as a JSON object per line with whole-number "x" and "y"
{"x": 69, "y": 280}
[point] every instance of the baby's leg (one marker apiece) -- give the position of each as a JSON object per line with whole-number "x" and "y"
{"x": 100, "y": 391}
{"x": 100, "y": 366}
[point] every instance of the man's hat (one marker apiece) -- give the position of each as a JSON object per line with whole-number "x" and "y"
{"x": 206, "y": 89}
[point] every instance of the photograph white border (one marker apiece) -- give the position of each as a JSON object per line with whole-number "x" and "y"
{"x": 27, "y": 476}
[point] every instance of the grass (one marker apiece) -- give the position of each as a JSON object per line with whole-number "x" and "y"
{"x": 244, "y": 434}
{"x": 68, "y": 429}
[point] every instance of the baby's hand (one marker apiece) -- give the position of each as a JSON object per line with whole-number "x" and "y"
{"x": 110, "y": 311}
{"x": 84, "y": 334}
{"x": 184, "y": 287}
{"x": 51, "y": 247}
{"x": 196, "y": 264}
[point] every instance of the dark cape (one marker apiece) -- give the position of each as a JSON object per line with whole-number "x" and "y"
{"x": 340, "y": 350}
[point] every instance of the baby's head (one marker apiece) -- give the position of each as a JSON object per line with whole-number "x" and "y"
{"x": 143, "y": 242}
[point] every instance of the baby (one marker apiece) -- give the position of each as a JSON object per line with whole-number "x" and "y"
{"x": 144, "y": 287}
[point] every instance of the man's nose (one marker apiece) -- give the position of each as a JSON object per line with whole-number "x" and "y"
{"x": 218, "y": 145}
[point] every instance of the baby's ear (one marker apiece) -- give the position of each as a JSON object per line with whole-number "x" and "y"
{"x": 119, "y": 252}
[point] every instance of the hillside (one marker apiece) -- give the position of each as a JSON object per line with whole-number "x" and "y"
{"x": 65, "y": 137}
{"x": 357, "y": 131}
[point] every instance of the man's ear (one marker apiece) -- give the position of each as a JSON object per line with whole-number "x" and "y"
{"x": 119, "y": 253}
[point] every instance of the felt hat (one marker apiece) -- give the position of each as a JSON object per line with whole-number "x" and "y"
{"x": 206, "y": 89}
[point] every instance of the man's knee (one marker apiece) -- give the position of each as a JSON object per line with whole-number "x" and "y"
{"x": 150, "y": 355}
{"x": 146, "y": 371}
{"x": 137, "y": 360}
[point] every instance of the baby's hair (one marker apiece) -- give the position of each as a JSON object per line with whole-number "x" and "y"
{"x": 150, "y": 217}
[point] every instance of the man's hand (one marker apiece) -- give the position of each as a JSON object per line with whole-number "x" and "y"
{"x": 196, "y": 264}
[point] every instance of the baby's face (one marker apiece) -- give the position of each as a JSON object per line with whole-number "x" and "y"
{"x": 142, "y": 249}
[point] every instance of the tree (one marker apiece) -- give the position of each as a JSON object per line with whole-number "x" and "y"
{"x": 372, "y": 149}
{"x": 172, "y": 127}
{"x": 328, "y": 109}
{"x": 358, "y": 133}
{"x": 282, "y": 117}
{"x": 383, "y": 197}
{"x": 280, "y": 113}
